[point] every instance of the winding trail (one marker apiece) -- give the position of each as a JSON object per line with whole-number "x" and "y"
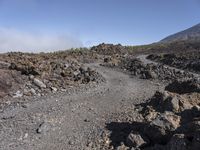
{"x": 63, "y": 121}
{"x": 69, "y": 121}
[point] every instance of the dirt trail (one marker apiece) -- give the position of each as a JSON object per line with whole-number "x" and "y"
{"x": 65, "y": 121}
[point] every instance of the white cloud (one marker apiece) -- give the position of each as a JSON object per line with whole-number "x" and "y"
{"x": 15, "y": 40}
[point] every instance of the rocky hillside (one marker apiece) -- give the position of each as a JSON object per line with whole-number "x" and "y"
{"x": 191, "y": 34}
{"x": 188, "y": 61}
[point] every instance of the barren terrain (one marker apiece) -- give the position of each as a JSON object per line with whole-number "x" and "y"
{"x": 105, "y": 98}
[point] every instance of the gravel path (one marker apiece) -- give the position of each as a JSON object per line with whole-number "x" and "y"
{"x": 62, "y": 121}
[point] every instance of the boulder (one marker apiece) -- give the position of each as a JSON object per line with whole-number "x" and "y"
{"x": 196, "y": 141}
{"x": 182, "y": 87}
{"x": 150, "y": 115}
{"x": 178, "y": 142}
{"x": 9, "y": 81}
{"x": 136, "y": 140}
{"x": 164, "y": 102}
{"x": 4, "y": 65}
{"x": 160, "y": 129}
{"x": 148, "y": 74}
{"x": 191, "y": 126}
{"x": 122, "y": 147}
{"x": 26, "y": 69}
{"x": 39, "y": 83}
{"x": 107, "y": 59}
{"x": 184, "y": 142}
{"x": 184, "y": 104}
{"x": 171, "y": 104}
{"x": 167, "y": 120}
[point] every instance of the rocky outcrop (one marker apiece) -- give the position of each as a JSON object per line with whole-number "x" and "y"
{"x": 109, "y": 49}
{"x": 184, "y": 86}
{"x": 136, "y": 140}
{"x": 170, "y": 121}
{"x": 151, "y": 71}
{"x": 43, "y": 73}
{"x": 9, "y": 81}
{"x": 185, "y": 60}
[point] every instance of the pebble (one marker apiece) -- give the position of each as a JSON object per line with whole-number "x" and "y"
{"x": 17, "y": 94}
{"x": 54, "y": 89}
{"x": 43, "y": 127}
{"x": 39, "y": 83}
{"x": 25, "y": 135}
{"x": 71, "y": 142}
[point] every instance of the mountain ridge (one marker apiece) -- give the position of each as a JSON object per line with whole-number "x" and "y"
{"x": 190, "y": 34}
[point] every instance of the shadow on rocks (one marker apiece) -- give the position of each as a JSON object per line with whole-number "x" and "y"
{"x": 183, "y": 87}
{"x": 130, "y": 134}
{"x": 149, "y": 136}
{"x": 166, "y": 126}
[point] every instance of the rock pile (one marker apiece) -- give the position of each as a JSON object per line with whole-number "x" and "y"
{"x": 184, "y": 86}
{"x": 58, "y": 76}
{"x": 137, "y": 68}
{"x": 188, "y": 61}
{"x": 109, "y": 49}
{"x": 151, "y": 71}
{"x": 42, "y": 74}
{"x": 167, "y": 121}
{"x": 9, "y": 80}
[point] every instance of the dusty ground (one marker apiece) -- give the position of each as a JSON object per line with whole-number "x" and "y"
{"x": 65, "y": 121}
{"x": 75, "y": 119}
{"x": 145, "y": 127}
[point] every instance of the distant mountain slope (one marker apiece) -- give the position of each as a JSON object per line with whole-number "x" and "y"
{"x": 191, "y": 34}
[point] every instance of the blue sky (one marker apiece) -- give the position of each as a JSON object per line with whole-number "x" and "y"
{"x": 61, "y": 24}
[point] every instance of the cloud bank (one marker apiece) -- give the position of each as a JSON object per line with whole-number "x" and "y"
{"x": 15, "y": 40}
